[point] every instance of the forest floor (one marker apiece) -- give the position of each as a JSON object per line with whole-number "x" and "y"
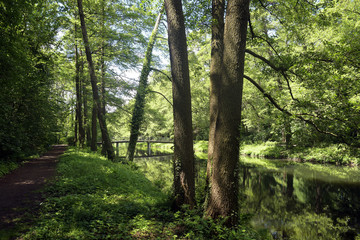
{"x": 20, "y": 191}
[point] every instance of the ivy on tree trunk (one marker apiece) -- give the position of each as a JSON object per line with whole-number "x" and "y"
{"x": 138, "y": 112}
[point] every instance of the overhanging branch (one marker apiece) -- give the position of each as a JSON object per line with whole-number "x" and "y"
{"x": 162, "y": 96}
{"x": 274, "y": 102}
{"x": 157, "y": 70}
{"x": 282, "y": 70}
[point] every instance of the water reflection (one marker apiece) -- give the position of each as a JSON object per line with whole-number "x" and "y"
{"x": 291, "y": 200}
{"x": 295, "y": 202}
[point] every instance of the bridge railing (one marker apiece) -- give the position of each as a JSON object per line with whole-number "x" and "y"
{"x": 148, "y": 142}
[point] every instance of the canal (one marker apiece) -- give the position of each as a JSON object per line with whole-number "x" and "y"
{"x": 290, "y": 200}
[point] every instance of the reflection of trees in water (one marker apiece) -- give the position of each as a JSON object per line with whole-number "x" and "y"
{"x": 297, "y": 208}
{"x": 291, "y": 207}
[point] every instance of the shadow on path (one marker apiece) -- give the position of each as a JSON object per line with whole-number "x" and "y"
{"x": 20, "y": 190}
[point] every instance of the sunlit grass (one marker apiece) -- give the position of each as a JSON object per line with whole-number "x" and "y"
{"x": 325, "y": 172}
{"x": 336, "y": 153}
{"x": 94, "y": 198}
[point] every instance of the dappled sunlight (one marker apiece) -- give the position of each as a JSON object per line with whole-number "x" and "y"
{"x": 26, "y": 182}
{"x": 94, "y": 196}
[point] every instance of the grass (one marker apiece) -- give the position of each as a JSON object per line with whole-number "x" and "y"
{"x": 267, "y": 150}
{"x": 336, "y": 153}
{"x": 200, "y": 149}
{"x": 8, "y": 166}
{"x": 94, "y": 198}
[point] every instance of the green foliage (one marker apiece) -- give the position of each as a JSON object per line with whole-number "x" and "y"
{"x": 268, "y": 150}
{"x": 335, "y": 153}
{"x": 201, "y": 146}
{"x": 310, "y": 74}
{"x": 27, "y": 105}
{"x": 325, "y": 172}
{"x": 192, "y": 225}
{"x": 157, "y": 171}
{"x": 7, "y": 166}
{"x": 94, "y": 198}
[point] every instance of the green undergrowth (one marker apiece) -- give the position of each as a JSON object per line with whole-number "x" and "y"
{"x": 335, "y": 153}
{"x": 8, "y": 166}
{"x": 94, "y": 198}
{"x": 325, "y": 172}
{"x": 200, "y": 149}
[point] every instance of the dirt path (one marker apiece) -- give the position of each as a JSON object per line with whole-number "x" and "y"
{"x": 20, "y": 194}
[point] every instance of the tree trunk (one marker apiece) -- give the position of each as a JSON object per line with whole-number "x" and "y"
{"x": 217, "y": 48}
{"x": 102, "y": 69}
{"x": 79, "y": 119}
{"x": 85, "y": 102}
{"x": 93, "y": 145}
{"x": 138, "y": 112}
{"x": 76, "y": 127}
{"x": 102, "y": 59}
{"x": 105, "y": 136}
{"x": 86, "y": 124}
{"x": 225, "y": 114}
{"x": 184, "y": 173}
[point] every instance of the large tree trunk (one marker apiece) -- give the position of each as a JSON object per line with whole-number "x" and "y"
{"x": 138, "y": 112}
{"x": 105, "y": 136}
{"x": 184, "y": 173}
{"x": 217, "y": 48}
{"x": 225, "y": 114}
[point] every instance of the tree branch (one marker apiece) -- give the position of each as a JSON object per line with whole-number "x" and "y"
{"x": 265, "y": 60}
{"x": 271, "y": 46}
{"x": 125, "y": 110}
{"x": 157, "y": 70}
{"x": 282, "y": 70}
{"x": 273, "y": 101}
{"x": 162, "y": 96}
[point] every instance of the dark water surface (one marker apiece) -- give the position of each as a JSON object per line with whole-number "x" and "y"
{"x": 291, "y": 200}
{"x": 301, "y": 201}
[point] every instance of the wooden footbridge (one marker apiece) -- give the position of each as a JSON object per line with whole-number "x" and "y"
{"x": 147, "y": 141}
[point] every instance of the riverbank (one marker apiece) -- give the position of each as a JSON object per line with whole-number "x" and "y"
{"x": 94, "y": 198}
{"x": 336, "y": 153}
{"x": 339, "y": 154}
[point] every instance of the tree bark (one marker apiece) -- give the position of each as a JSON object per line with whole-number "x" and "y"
{"x": 138, "y": 112}
{"x": 102, "y": 59}
{"x": 79, "y": 112}
{"x": 93, "y": 145}
{"x": 217, "y": 48}
{"x": 225, "y": 115}
{"x": 105, "y": 136}
{"x": 85, "y": 101}
{"x": 184, "y": 173}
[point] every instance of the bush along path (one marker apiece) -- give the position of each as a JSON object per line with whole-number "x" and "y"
{"x": 20, "y": 195}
